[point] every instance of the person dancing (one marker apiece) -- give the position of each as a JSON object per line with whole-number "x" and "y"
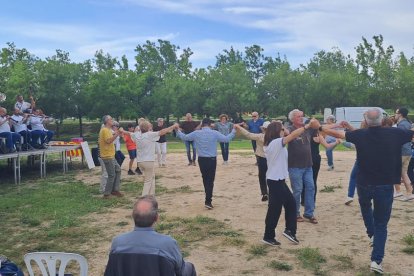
{"x": 206, "y": 140}
{"x": 260, "y": 155}
{"x": 277, "y": 171}
{"x": 224, "y": 127}
{"x": 161, "y": 145}
{"x": 188, "y": 126}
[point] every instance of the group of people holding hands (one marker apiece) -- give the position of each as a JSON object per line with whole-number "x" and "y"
{"x": 25, "y": 128}
{"x": 284, "y": 152}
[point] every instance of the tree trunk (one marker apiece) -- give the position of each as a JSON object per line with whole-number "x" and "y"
{"x": 80, "y": 125}
{"x": 58, "y": 125}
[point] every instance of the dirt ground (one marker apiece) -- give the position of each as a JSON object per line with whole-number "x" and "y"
{"x": 237, "y": 202}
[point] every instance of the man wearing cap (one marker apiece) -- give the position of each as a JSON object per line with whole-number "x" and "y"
{"x": 205, "y": 141}
{"x": 403, "y": 123}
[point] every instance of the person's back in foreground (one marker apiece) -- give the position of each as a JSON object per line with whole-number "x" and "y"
{"x": 145, "y": 240}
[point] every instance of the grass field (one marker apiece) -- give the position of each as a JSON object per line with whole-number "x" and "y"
{"x": 51, "y": 215}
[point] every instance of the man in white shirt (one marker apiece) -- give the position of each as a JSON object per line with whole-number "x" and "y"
{"x": 22, "y": 106}
{"x": 18, "y": 121}
{"x": 38, "y": 129}
{"x": 5, "y": 132}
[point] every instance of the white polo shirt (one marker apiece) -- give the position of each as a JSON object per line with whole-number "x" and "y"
{"x": 37, "y": 123}
{"x": 277, "y": 160}
{"x": 17, "y": 122}
{"x": 4, "y": 127}
{"x": 145, "y": 145}
{"x": 22, "y": 106}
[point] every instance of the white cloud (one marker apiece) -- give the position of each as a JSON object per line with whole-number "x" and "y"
{"x": 297, "y": 28}
{"x": 307, "y": 24}
{"x": 60, "y": 33}
{"x": 81, "y": 41}
{"x": 117, "y": 47}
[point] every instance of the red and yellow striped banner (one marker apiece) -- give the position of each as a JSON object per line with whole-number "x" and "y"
{"x": 71, "y": 153}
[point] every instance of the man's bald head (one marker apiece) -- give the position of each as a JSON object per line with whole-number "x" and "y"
{"x": 145, "y": 211}
{"x": 373, "y": 117}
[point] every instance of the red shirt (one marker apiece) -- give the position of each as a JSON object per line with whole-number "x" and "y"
{"x": 130, "y": 144}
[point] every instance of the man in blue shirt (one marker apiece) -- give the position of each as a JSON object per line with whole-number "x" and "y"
{"x": 144, "y": 239}
{"x": 254, "y": 126}
{"x": 205, "y": 141}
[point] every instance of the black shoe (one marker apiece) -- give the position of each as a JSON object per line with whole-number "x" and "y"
{"x": 130, "y": 172}
{"x": 208, "y": 205}
{"x": 194, "y": 163}
{"x": 265, "y": 197}
{"x": 288, "y": 234}
{"x": 271, "y": 242}
{"x": 138, "y": 171}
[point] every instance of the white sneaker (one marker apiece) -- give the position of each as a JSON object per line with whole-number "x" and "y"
{"x": 371, "y": 241}
{"x": 397, "y": 194}
{"x": 349, "y": 200}
{"x": 376, "y": 267}
{"x": 225, "y": 163}
{"x": 330, "y": 168}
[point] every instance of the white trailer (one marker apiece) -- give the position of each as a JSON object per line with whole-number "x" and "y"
{"x": 354, "y": 115}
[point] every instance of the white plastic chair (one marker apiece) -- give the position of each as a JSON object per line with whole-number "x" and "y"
{"x": 50, "y": 258}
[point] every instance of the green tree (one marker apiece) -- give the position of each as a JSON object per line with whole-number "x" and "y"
{"x": 17, "y": 72}
{"x": 377, "y": 73}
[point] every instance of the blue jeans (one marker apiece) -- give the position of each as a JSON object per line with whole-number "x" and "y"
{"x": 11, "y": 139}
{"x": 329, "y": 152}
{"x": 376, "y": 219}
{"x": 26, "y": 136}
{"x": 45, "y": 136}
{"x": 187, "y": 146}
{"x": 225, "y": 151}
{"x": 254, "y": 145}
{"x": 302, "y": 178}
{"x": 352, "y": 180}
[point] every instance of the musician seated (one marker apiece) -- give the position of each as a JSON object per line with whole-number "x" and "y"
{"x": 18, "y": 120}
{"x": 5, "y": 132}
{"x": 40, "y": 135}
{"x": 23, "y": 106}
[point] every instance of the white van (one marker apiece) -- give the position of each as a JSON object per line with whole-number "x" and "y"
{"x": 353, "y": 115}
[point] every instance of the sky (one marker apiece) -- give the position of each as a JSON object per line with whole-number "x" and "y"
{"x": 295, "y": 29}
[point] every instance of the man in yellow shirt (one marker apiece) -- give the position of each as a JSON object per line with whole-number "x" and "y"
{"x": 107, "y": 154}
